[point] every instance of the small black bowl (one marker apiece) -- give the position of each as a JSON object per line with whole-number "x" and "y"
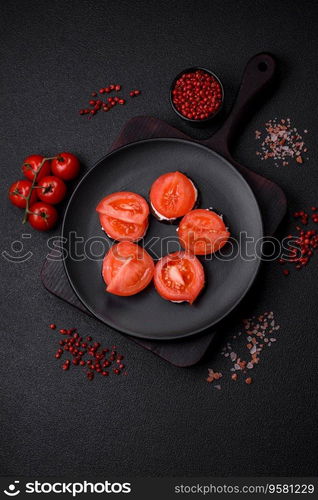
{"x": 205, "y": 121}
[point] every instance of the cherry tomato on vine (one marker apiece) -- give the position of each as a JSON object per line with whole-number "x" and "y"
{"x": 43, "y": 216}
{"x": 66, "y": 166}
{"x": 32, "y": 164}
{"x": 18, "y": 191}
{"x": 51, "y": 189}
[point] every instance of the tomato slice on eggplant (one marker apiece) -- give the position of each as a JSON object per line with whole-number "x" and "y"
{"x": 172, "y": 195}
{"x": 124, "y": 215}
{"x": 202, "y": 232}
{"x": 127, "y": 269}
{"x": 125, "y": 206}
{"x": 122, "y": 231}
{"x": 179, "y": 277}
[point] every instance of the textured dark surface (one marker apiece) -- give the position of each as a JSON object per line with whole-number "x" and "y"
{"x": 159, "y": 419}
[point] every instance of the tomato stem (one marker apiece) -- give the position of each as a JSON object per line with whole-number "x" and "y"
{"x": 27, "y": 198}
{"x": 17, "y": 192}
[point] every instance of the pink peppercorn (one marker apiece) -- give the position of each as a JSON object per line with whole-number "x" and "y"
{"x": 197, "y": 95}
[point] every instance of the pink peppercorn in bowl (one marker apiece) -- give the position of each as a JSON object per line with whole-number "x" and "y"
{"x": 196, "y": 95}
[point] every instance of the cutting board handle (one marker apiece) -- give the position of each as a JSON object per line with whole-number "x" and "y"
{"x": 258, "y": 75}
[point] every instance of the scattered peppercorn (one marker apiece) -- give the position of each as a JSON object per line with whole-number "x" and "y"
{"x": 305, "y": 241}
{"x": 74, "y": 341}
{"x": 99, "y": 105}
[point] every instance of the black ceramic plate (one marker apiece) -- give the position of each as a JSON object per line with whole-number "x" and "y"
{"x": 134, "y": 168}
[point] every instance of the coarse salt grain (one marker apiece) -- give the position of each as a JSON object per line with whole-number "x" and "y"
{"x": 213, "y": 375}
{"x": 258, "y": 331}
{"x": 282, "y": 141}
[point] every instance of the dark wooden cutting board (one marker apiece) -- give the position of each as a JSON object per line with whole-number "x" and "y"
{"x": 270, "y": 197}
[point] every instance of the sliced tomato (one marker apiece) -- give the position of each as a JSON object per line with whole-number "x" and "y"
{"x": 172, "y": 195}
{"x": 125, "y": 206}
{"x": 202, "y": 232}
{"x": 127, "y": 269}
{"x": 179, "y": 277}
{"x": 122, "y": 231}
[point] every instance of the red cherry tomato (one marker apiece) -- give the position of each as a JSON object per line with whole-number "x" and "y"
{"x": 179, "y": 277}
{"x": 43, "y": 216}
{"x": 127, "y": 269}
{"x": 202, "y": 232}
{"x": 53, "y": 189}
{"x": 32, "y": 164}
{"x": 172, "y": 195}
{"x": 124, "y": 216}
{"x": 19, "y": 190}
{"x": 66, "y": 166}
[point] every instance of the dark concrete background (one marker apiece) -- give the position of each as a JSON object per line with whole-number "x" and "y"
{"x": 159, "y": 420}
